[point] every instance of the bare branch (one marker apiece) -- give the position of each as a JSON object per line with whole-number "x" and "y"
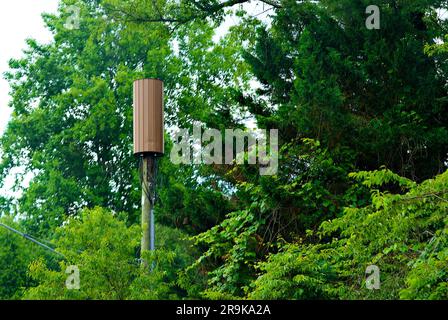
{"x": 272, "y": 3}
{"x": 204, "y": 11}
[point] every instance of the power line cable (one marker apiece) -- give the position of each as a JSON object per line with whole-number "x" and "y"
{"x": 28, "y": 237}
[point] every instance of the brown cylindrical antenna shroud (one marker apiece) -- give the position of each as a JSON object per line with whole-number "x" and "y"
{"x": 148, "y": 117}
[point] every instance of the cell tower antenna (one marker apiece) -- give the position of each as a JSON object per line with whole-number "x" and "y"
{"x": 148, "y": 146}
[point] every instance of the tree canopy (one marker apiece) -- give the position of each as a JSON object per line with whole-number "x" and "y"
{"x": 363, "y": 151}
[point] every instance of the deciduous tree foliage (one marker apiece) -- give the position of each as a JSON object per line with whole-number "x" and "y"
{"x": 404, "y": 234}
{"x": 362, "y": 119}
{"x": 103, "y": 249}
{"x": 15, "y": 256}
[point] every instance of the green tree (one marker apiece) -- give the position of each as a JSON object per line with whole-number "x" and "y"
{"x": 344, "y": 98}
{"x": 403, "y": 233}
{"x": 104, "y": 250}
{"x": 16, "y": 254}
{"x": 370, "y": 97}
{"x": 72, "y": 110}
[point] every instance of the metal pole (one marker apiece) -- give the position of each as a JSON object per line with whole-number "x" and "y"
{"x": 148, "y": 200}
{"x": 152, "y": 230}
{"x": 153, "y": 203}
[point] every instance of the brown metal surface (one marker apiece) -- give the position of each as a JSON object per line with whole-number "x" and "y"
{"x": 148, "y": 116}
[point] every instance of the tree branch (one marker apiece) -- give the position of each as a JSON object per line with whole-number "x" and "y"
{"x": 203, "y": 11}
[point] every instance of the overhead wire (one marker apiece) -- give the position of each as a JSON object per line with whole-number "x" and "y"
{"x": 30, "y": 238}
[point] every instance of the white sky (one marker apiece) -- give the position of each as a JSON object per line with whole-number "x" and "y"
{"x": 19, "y": 20}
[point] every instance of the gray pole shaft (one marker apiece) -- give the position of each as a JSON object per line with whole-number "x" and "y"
{"x": 152, "y": 230}
{"x": 148, "y": 231}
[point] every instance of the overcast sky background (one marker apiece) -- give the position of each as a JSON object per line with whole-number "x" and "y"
{"x": 19, "y": 20}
